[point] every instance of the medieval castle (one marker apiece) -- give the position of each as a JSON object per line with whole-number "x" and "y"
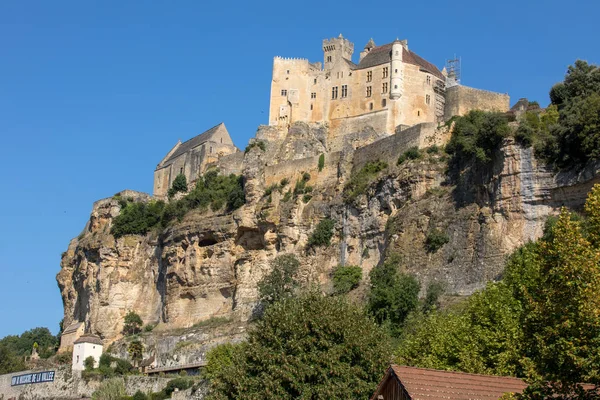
{"x": 390, "y": 90}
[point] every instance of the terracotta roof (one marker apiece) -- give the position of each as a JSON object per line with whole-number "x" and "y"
{"x": 89, "y": 338}
{"x": 431, "y": 384}
{"x": 72, "y": 328}
{"x": 193, "y": 142}
{"x": 383, "y": 54}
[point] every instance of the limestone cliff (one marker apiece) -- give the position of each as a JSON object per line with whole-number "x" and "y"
{"x": 208, "y": 264}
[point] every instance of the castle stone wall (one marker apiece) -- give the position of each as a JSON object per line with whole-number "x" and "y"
{"x": 294, "y": 169}
{"x": 462, "y": 99}
{"x": 340, "y": 128}
{"x": 390, "y": 148}
{"x": 231, "y": 164}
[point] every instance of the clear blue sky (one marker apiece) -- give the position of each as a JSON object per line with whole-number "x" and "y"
{"x": 93, "y": 94}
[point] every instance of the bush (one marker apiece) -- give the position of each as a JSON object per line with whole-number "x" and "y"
{"x": 271, "y": 188}
{"x": 322, "y": 234}
{"x": 181, "y": 383}
{"x": 64, "y": 357}
{"x": 432, "y": 296}
{"x": 135, "y": 350}
{"x": 310, "y": 347}
{"x": 346, "y": 278}
{"x": 287, "y": 196}
{"x": 411, "y": 154}
{"x": 306, "y": 198}
{"x": 321, "y": 162}
{"x": 211, "y": 190}
{"x": 133, "y": 324}
{"x": 436, "y": 238}
{"x": 257, "y": 143}
{"x": 220, "y": 358}
{"x": 284, "y": 182}
{"x": 358, "y": 183}
{"x": 393, "y": 296}
{"x": 112, "y": 389}
{"x": 179, "y": 185}
{"x": 149, "y": 327}
{"x": 105, "y": 360}
{"x": 282, "y": 281}
{"x": 139, "y": 395}
{"x": 88, "y": 363}
{"x": 433, "y": 149}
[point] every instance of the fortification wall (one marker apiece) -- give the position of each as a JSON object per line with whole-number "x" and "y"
{"x": 231, "y": 163}
{"x": 294, "y": 169}
{"x": 68, "y": 385}
{"x": 390, "y": 148}
{"x": 340, "y": 128}
{"x": 462, "y": 99}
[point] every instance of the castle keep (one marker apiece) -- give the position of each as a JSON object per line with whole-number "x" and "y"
{"x": 390, "y": 86}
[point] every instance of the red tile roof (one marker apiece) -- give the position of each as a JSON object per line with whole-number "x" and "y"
{"x": 430, "y": 384}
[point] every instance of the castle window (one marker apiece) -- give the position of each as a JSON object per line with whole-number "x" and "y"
{"x": 342, "y": 74}
{"x": 369, "y": 76}
{"x": 396, "y": 71}
{"x": 287, "y": 72}
{"x": 383, "y": 103}
{"x": 338, "y": 75}
{"x": 334, "y": 92}
{"x": 397, "y": 53}
{"x": 311, "y": 107}
{"x": 210, "y": 149}
{"x": 344, "y": 90}
{"x": 385, "y": 72}
{"x": 315, "y": 82}
{"x": 369, "y": 91}
{"x": 427, "y": 99}
{"x": 384, "y": 88}
{"x": 181, "y": 170}
{"x": 313, "y": 95}
{"x": 283, "y": 92}
{"x": 328, "y": 58}
{"x": 395, "y": 86}
{"x": 370, "y": 106}
{"x": 418, "y": 113}
{"x": 221, "y": 140}
{"x": 428, "y": 80}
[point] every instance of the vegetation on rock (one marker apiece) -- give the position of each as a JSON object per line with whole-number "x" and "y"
{"x": 436, "y": 238}
{"x": 211, "y": 190}
{"x": 346, "y": 278}
{"x": 111, "y": 389}
{"x": 257, "y": 143}
{"x": 359, "y": 182}
{"x": 179, "y": 185}
{"x": 322, "y": 234}
{"x": 132, "y": 324}
{"x": 412, "y": 153}
{"x": 321, "y": 164}
{"x": 282, "y": 281}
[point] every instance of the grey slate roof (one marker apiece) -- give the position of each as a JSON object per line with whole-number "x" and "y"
{"x": 89, "y": 338}
{"x": 383, "y": 54}
{"x": 193, "y": 142}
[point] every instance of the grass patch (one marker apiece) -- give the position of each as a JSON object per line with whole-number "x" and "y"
{"x": 358, "y": 183}
{"x": 212, "y": 322}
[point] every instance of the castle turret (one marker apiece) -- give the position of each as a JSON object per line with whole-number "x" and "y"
{"x": 335, "y": 50}
{"x": 397, "y": 70}
{"x": 369, "y": 46}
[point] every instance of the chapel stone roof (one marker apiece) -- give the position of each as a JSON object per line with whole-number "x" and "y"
{"x": 194, "y": 142}
{"x": 72, "y": 328}
{"x": 89, "y": 338}
{"x": 383, "y": 54}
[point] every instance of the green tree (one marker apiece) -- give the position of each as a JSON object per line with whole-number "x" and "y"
{"x": 282, "y": 281}
{"x": 393, "y": 295}
{"x": 133, "y": 324}
{"x": 136, "y": 351}
{"x": 9, "y": 361}
{"x": 179, "y": 185}
{"x": 311, "y": 347}
{"x": 346, "y": 278}
{"x": 220, "y": 358}
{"x": 322, "y": 234}
{"x": 88, "y": 363}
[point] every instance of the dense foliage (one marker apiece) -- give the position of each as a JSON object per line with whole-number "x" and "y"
{"x": 111, "y": 389}
{"x": 312, "y": 347}
{"x": 179, "y": 185}
{"x": 211, "y": 190}
{"x": 360, "y": 182}
{"x": 220, "y": 358}
{"x": 282, "y": 281}
{"x": 476, "y": 137}
{"x": 567, "y": 134}
{"x": 322, "y": 234}
{"x": 393, "y": 295}
{"x": 541, "y": 321}
{"x": 136, "y": 351}
{"x": 435, "y": 239}
{"x": 412, "y": 153}
{"x": 14, "y": 349}
{"x": 346, "y": 278}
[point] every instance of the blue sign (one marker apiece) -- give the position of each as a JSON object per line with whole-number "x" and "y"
{"x": 35, "y": 377}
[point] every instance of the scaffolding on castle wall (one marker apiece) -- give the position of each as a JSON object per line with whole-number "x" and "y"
{"x": 453, "y": 68}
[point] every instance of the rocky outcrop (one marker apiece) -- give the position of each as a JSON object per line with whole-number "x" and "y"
{"x": 208, "y": 265}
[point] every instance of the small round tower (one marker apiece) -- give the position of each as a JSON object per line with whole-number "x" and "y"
{"x": 397, "y": 70}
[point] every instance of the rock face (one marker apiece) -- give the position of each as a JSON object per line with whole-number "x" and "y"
{"x": 208, "y": 265}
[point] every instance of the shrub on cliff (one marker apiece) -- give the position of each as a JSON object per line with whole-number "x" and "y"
{"x": 133, "y": 324}
{"x": 179, "y": 185}
{"x": 312, "y": 347}
{"x": 476, "y": 137}
{"x": 322, "y": 234}
{"x": 321, "y": 164}
{"x": 346, "y": 278}
{"x": 137, "y": 218}
{"x": 359, "y": 182}
{"x": 112, "y": 389}
{"x": 282, "y": 281}
{"x": 436, "y": 238}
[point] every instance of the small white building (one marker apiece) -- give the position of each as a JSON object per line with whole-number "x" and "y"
{"x": 84, "y": 347}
